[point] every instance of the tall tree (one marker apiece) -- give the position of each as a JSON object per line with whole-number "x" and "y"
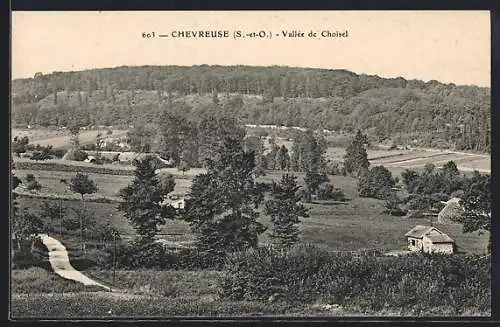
{"x": 222, "y": 203}
{"x": 26, "y": 226}
{"x": 376, "y": 183}
{"x": 283, "y": 158}
{"x": 285, "y": 210}
{"x": 476, "y": 203}
{"x": 82, "y": 184}
{"x": 355, "y": 157}
{"x": 143, "y": 200}
{"x": 75, "y": 135}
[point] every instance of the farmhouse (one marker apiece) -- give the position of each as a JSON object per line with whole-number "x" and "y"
{"x": 429, "y": 239}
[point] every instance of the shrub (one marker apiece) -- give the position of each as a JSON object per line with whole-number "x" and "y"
{"x": 80, "y": 155}
{"x": 141, "y": 255}
{"x": 257, "y": 274}
{"x": 414, "y": 284}
{"x": 52, "y": 166}
{"x": 59, "y": 153}
{"x": 375, "y": 183}
{"x": 24, "y": 258}
{"x": 32, "y": 184}
{"x": 327, "y": 191}
{"x": 40, "y": 155}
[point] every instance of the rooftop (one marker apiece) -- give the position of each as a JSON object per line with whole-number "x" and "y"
{"x": 420, "y": 231}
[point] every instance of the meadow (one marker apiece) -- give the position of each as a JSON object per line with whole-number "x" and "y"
{"x": 61, "y": 138}
{"x": 358, "y": 223}
{"x": 354, "y": 225}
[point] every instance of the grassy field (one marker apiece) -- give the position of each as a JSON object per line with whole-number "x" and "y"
{"x": 356, "y": 224}
{"x": 399, "y": 160}
{"x": 108, "y": 185}
{"x": 38, "y": 280}
{"x": 61, "y": 138}
{"x": 161, "y": 294}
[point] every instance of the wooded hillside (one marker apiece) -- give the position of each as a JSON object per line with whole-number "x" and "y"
{"x": 437, "y": 114}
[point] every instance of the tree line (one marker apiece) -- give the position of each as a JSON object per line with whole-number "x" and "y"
{"x": 432, "y": 113}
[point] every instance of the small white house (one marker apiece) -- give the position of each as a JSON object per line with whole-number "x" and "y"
{"x": 429, "y": 239}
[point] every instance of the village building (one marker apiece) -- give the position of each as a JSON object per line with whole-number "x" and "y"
{"x": 429, "y": 239}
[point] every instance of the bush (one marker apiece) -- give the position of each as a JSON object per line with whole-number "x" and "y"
{"x": 52, "y": 166}
{"x": 141, "y": 255}
{"x": 59, "y": 153}
{"x": 24, "y": 258}
{"x": 40, "y": 155}
{"x": 80, "y": 155}
{"x": 414, "y": 284}
{"x": 375, "y": 183}
{"x": 32, "y": 184}
{"x": 257, "y": 274}
{"x": 326, "y": 191}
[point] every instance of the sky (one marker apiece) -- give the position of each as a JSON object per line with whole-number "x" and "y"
{"x": 448, "y": 46}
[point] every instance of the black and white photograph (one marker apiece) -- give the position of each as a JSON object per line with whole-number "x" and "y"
{"x": 214, "y": 164}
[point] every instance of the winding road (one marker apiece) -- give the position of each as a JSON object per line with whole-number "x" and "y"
{"x": 59, "y": 260}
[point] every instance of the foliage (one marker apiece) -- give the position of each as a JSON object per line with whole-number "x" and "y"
{"x": 77, "y": 155}
{"x": 52, "y": 210}
{"x": 313, "y": 180}
{"x": 141, "y": 255}
{"x": 19, "y": 145}
{"x": 55, "y": 166}
{"x": 285, "y": 210}
{"x": 375, "y": 183}
{"x": 82, "y": 184}
{"x": 143, "y": 200}
{"x": 394, "y": 205}
{"x": 327, "y": 191}
{"x": 426, "y": 202}
{"x": 40, "y": 155}
{"x": 283, "y": 158}
{"x": 166, "y": 182}
{"x": 32, "y": 184}
{"x": 141, "y": 137}
{"x": 356, "y": 158}
{"x": 433, "y": 113}
{"x": 30, "y": 253}
{"x": 410, "y": 180}
{"x": 476, "y": 203}
{"x": 26, "y": 226}
{"x": 306, "y": 274}
{"x": 308, "y": 152}
{"x": 221, "y": 205}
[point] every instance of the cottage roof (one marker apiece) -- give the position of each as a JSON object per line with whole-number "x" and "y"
{"x": 443, "y": 238}
{"x": 420, "y": 231}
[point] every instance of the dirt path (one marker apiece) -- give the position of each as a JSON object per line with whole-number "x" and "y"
{"x": 59, "y": 260}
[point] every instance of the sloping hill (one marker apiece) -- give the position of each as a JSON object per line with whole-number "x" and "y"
{"x": 437, "y": 114}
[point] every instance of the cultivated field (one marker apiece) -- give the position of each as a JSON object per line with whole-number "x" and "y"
{"x": 108, "y": 185}
{"x": 61, "y": 138}
{"x": 399, "y": 160}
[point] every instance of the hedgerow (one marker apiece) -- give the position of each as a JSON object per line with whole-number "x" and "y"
{"x": 306, "y": 274}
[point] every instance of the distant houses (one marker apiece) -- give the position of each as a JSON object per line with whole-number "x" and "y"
{"x": 429, "y": 239}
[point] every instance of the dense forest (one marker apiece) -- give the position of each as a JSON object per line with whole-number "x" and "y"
{"x": 432, "y": 113}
